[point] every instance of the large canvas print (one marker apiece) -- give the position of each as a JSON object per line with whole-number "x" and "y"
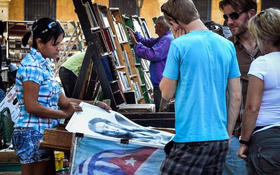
{"x": 112, "y": 144}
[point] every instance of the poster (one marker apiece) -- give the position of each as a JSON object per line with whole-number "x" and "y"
{"x": 9, "y": 105}
{"x": 94, "y": 156}
{"x": 96, "y": 122}
{"x": 101, "y": 151}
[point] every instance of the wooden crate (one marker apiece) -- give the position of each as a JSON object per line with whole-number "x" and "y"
{"x": 57, "y": 138}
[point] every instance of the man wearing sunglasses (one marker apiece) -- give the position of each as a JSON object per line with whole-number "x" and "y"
{"x": 237, "y": 14}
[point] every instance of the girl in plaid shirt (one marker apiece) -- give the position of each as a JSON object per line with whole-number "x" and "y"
{"x": 41, "y": 101}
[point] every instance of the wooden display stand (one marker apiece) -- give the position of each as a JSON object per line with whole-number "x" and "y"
{"x": 125, "y": 46}
{"x": 15, "y": 31}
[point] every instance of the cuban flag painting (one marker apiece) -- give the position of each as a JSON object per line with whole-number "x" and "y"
{"x": 114, "y": 145}
{"x": 102, "y": 157}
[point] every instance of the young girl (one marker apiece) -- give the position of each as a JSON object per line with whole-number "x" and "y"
{"x": 41, "y": 101}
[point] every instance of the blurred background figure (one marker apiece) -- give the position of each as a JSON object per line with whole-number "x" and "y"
{"x": 155, "y": 50}
{"x": 226, "y": 30}
{"x": 69, "y": 72}
{"x": 215, "y": 27}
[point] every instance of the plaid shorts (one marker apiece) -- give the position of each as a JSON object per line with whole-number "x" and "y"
{"x": 25, "y": 142}
{"x": 195, "y": 158}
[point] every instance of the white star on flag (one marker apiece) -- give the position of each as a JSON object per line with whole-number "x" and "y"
{"x": 130, "y": 161}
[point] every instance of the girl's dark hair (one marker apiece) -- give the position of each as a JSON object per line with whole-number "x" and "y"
{"x": 25, "y": 38}
{"x": 46, "y": 29}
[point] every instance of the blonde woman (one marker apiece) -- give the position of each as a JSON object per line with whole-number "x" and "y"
{"x": 260, "y": 135}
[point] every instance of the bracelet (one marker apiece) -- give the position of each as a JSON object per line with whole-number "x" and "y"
{"x": 244, "y": 142}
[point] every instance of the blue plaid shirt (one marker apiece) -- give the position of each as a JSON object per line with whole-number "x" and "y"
{"x": 37, "y": 69}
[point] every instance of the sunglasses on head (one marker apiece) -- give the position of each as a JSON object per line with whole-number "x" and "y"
{"x": 233, "y": 15}
{"x": 261, "y": 13}
{"x": 51, "y": 26}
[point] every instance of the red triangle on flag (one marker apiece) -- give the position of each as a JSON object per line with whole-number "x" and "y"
{"x": 130, "y": 163}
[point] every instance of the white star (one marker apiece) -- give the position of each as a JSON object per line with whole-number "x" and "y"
{"x": 130, "y": 161}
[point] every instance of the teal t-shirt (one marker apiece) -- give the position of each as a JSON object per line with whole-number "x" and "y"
{"x": 74, "y": 63}
{"x": 202, "y": 62}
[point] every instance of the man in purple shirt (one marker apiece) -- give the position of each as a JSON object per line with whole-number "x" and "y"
{"x": 155, "y": 50}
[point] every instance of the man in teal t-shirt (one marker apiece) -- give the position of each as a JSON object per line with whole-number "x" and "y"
{"x": 200, "y": 66}
{"x": 69, "y": 72}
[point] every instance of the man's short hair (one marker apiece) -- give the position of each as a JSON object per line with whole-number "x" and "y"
{"x": 164, "y": 23}
{"x": 182, "y": 10}
{"x": 239, "y": 5}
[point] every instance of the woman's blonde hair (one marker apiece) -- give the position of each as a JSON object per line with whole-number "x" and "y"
{"x": 265, "y": 26}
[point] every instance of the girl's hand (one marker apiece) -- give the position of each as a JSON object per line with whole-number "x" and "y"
{"x": 71, "y": 108}
{"x": 103, "y": 106}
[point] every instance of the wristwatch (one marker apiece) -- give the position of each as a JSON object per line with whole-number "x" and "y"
{"x": 243, "y": 141}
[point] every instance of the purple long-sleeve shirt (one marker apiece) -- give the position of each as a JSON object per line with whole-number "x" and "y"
{"x": 155, "y": 50}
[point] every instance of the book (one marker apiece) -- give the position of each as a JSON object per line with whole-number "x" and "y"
{"x": 149, "y": 84}
{"x": 124, "y": 37}
{"x": 105, "y": 20}
{"x": 123, "y": 81}
{"x": 112, "y": 38}
{"x": 145, "y": 64}
{"x": 107, "y": 68}
{"x": 118, "y": 32}
{"x": 127, "y": 63}
{"x": 134, "y": 57}
{"x": 137, "y": 89}
{"x": 137, "y": 26}
{"x": 107, "y": 36}
{"x": 116, "y": 58}
{"x": 91, "y": 16}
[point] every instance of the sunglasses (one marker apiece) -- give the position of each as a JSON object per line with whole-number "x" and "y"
{"x": 51, "y": 26}
{"x": 168, "y": 14}
{"x": 260, "y": 14}
{"x": 233, "y": 15}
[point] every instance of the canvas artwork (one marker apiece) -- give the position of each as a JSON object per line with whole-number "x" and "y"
{"x": 96, "y": 122}
{"x": 102, "y": 150}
